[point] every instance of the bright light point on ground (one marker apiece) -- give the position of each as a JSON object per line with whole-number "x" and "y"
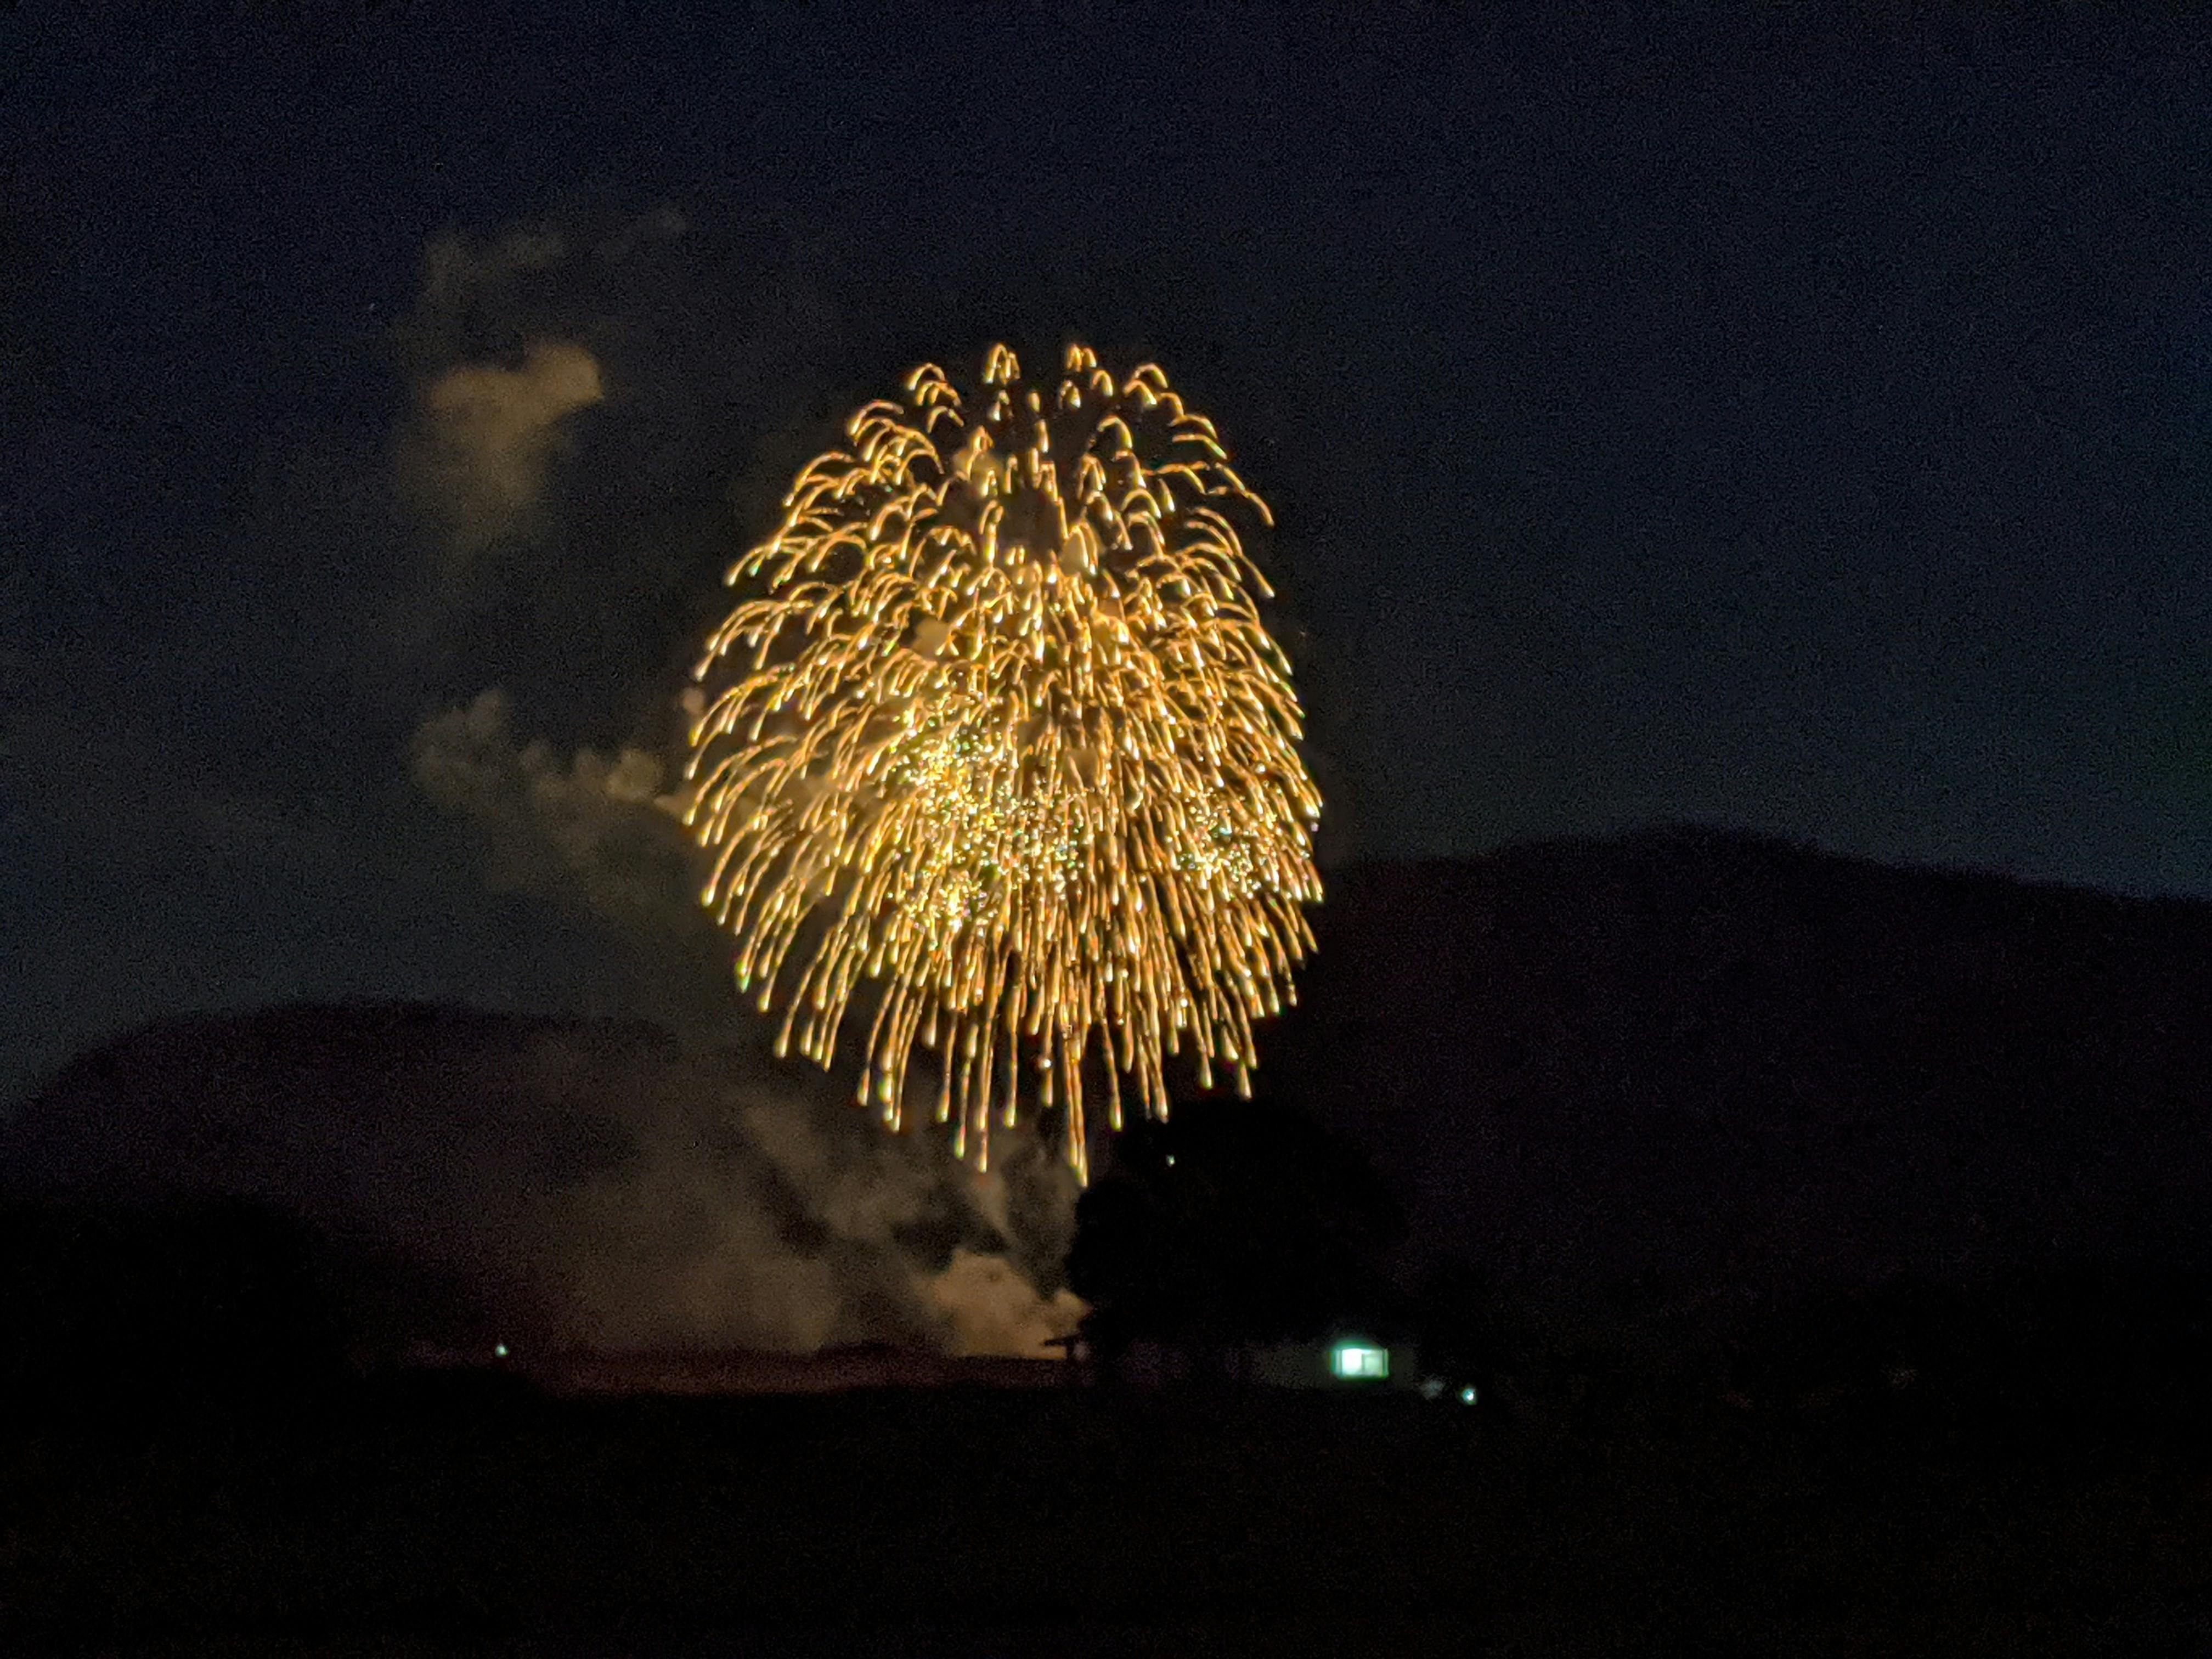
{"x": 499, "y": 1350}
{"x": 1358, "y": 1359}
{"x": 1467, "y": 1396}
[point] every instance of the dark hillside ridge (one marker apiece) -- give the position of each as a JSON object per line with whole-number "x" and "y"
{"x": 1684, "y": 1067}
{"x": 549, "y": 1183}
{"x": 1680, "y": 1069}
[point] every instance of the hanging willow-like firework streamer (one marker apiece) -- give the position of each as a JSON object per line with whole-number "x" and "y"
{"x": 1013, "y": 735}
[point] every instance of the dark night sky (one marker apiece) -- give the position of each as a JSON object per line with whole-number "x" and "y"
{"x": 1754, "y": 417}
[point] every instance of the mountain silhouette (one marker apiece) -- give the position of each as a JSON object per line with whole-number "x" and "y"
{"x": 1673, "y": 1070}
{"x": 550, "y": 1183}
{"x": 1685, "y": 1067}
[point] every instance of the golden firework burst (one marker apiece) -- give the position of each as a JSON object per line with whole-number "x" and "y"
{"x": 1014, "y": 743}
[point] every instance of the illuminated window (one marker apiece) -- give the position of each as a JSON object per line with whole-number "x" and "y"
{"x": 1359, "y": 1359}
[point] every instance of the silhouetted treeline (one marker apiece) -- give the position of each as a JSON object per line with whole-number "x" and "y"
{"x": 1234, "y": 1222}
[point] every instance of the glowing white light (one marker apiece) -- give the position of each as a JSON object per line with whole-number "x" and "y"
{"x": 1359, "y": 1359}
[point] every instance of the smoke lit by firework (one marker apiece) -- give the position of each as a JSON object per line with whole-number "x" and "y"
{"x": 1011, "y": 740}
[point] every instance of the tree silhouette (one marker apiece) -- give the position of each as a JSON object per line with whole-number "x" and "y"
{"x": 1233, "y": 1222}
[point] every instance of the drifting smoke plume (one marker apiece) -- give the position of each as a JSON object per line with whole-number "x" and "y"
{"x": 571, "y": 448}
{"x": 562, "y": 1183}
{"x": 748, "y": 1205}
{"x": 993, "y": 1309}
{"x": 731, "y": 1202}
{"x": 596, "y": 831}
{"x": 495, "y": 376}
{"x": 477, "y": 458}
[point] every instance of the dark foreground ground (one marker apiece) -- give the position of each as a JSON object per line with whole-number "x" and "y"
{"x": 469, "y": 1516}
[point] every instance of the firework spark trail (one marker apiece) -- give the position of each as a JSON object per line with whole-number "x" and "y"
{"x": 1010, "y": 722}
